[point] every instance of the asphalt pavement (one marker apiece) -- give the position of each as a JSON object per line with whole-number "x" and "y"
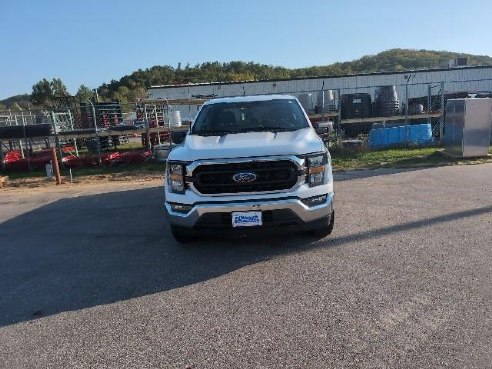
{"x": 90, "y": 277}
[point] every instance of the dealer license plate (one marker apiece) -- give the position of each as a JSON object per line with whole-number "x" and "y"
{"x": 246, "y": 219}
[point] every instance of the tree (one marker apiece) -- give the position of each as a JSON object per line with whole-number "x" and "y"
{"x": 44, "y": 91}
{"x": 137, "y": 94}
{"x": 84, "y": 93}
{"x": 58, "y": 87}
{"x": 121, "y": 94}
{"x": 41, "y": 92}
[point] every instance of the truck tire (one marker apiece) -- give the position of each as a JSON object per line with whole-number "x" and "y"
{"x": 326, "y": 229}
{"x": 182, "y": 235}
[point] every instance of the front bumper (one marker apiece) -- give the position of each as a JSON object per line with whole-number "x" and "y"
{"x": 288, "y": 211}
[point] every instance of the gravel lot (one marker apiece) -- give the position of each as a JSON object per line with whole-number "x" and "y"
{"x": 90, "y": 277}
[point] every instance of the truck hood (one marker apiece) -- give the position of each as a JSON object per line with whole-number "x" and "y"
{"x": 249, "y": 144}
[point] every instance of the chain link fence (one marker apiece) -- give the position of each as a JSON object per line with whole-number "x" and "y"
{"x": 89, "y": 134}
{"x": 356, "y": 111}
{"x": 106, "y": 133}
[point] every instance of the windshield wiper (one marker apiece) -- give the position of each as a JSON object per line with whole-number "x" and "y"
{"x": 246, "y": 130}
{"x": 271, "y": 129}
{"x": 212, "y": 133}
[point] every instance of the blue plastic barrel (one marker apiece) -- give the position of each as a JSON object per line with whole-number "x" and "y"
{"x": 417, "y": 134}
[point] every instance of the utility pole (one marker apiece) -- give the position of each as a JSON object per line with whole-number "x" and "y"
{"x": 429, "y": 102}
{"x": 407, "y": 77}
{"x": 441, "y": 119}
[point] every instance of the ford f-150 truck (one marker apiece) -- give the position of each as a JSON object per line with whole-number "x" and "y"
{"x": 249, "y": 162}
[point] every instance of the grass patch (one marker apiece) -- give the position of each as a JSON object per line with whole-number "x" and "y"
{"x": 346, "y": 159}
{"x": 128, "y": 146}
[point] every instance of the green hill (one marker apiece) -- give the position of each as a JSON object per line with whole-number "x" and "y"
{"x": 133, "y": 86}
{"x": 394, "y": 60}
{"x": 13, "y": 101}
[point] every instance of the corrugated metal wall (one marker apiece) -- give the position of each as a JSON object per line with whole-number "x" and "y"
{"x": 461, "y": 79}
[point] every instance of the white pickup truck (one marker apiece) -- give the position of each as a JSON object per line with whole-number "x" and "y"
{"x": 249, "y": 163}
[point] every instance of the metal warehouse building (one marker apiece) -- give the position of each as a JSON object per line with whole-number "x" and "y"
{"x": 418, "y": 83}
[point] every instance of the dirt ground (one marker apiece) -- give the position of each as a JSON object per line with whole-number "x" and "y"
{"x": 133, "y": 177}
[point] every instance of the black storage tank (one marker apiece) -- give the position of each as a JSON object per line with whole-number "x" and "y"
{"x": 386, "y": 103}
{"x": 357, "y": 105}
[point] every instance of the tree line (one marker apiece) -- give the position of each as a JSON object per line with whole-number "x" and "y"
{"x": 132, "y": 87}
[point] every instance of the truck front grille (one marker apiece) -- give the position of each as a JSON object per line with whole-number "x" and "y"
{"x": 270, "y": 176}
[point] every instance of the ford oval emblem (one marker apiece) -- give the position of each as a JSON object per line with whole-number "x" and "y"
{"x": 244, "y": 177}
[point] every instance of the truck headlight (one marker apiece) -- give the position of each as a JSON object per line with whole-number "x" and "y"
{"x": 175, "y": 177}
{"x": 316, "y": 165}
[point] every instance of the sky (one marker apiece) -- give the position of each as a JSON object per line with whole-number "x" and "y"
{"x": 94, "y": 41}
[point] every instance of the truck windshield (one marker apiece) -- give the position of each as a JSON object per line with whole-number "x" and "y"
{"x": 249, "y": 116}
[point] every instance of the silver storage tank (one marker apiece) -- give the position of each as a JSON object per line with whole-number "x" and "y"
{"x": 307, "y": 101}
{"x": 468, "y": 127}
{"x": 175, "y": 118}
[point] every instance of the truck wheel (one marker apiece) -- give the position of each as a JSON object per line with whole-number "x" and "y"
{"x": 327, "y": 229}
{"x": 182, "y": 235}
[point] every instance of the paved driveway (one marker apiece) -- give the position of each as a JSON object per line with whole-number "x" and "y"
{"x": 91, "y": 277}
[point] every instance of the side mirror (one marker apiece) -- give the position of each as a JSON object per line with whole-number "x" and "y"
{"x": 324, "y": 127}
{"x": 178, "y": 137}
